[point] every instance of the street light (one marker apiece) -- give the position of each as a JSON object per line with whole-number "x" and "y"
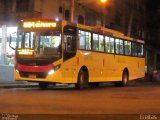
{"x": 103, "y": 1}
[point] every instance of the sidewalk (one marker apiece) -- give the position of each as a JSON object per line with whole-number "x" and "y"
{"x": 144, "y": 82}
{"x": 6, "y": 73}
{"x": 17, "y": 84}
{"x": 7, "y": 80}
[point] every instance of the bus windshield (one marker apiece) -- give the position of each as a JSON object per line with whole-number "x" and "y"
{"x": 45, "y": 44}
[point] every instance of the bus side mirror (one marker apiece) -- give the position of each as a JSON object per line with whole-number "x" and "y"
{"x": 12, "y": 39}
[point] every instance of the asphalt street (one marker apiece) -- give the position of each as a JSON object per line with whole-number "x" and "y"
{"x": 138, "y": 100}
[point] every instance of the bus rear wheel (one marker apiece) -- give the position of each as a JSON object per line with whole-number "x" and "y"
{"x": 43, "y": 85}
{"x": 125, "y": 79}
{"x": 82, "y": 80}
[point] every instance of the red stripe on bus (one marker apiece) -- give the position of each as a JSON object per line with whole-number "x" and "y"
{"x": 26, "y": 68}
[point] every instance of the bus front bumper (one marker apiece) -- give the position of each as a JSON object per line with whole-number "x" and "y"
{"x": 54, "y": 77}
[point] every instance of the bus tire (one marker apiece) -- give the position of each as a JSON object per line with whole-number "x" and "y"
{"x": 43, "y": 85}
{"x": 82, "y": 80}
{"x": 125, "y": 79}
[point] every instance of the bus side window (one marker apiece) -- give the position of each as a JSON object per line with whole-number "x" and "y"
{"x": 117, "y": 45}
{"x": 134, "y": 49}
{"x": 140, "y": 50}
{"x": 95, "y": 42}
{"x": 121, "y": 47}
{"x": 84, "y": 40}
{"x": 70, "y": 46}
{"x": 88, "y": 41}
{"x": 101, "y": 43}
{"x": 112, "y": 44}
{"x": 107, "y": 44}
{"x": 68, "y": 41}
{"x": 127, "y": 47}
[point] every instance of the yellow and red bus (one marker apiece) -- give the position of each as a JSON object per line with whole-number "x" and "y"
{"x": 62, "y": 52}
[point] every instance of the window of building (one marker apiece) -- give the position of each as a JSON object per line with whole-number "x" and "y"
{"x": 6, "y": 9}
{"x": 60, "y": 9}
{"x": 7, "y": 5}
{"x": 127, "y": 47}
{"x": 84, "y": 40}
{"x": 80, "y": 19}
{"x": 67, "y": 15}
{"x": 8, "y": 52}
{"x": 22, "y": 5}
{"x": 118, "y": 18}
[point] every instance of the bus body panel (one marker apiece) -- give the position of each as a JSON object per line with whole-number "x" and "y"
{"x": 109, "y": 67}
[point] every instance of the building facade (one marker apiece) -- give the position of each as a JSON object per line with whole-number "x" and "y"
{"x": 153, "y": 36}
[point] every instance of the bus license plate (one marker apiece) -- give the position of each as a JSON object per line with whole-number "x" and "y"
{"x": 32, "y": 76}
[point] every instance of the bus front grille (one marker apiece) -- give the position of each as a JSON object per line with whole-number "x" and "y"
{"x": 33, "y": 74}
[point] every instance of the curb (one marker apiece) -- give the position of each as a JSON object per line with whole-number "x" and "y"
{"x": 18, "y": 85}
{"x": 144, "y": 82}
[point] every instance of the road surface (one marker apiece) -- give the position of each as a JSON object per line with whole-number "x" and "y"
{"x": 132, "y": 100}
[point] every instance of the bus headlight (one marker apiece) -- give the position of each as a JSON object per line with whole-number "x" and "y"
{"x": 17, "y": 70}
{"x": 51, "y": 72}
{"x": 54, "y": 69}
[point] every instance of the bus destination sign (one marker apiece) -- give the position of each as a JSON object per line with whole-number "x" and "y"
{"x": 39, "y": 24}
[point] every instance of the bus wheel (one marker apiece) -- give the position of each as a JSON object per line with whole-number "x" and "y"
{"x": 125, "y": 78}
{"x": 124, "y": 82}
{"x": 82, "y": 80}
{"x": 43, "y": 85}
